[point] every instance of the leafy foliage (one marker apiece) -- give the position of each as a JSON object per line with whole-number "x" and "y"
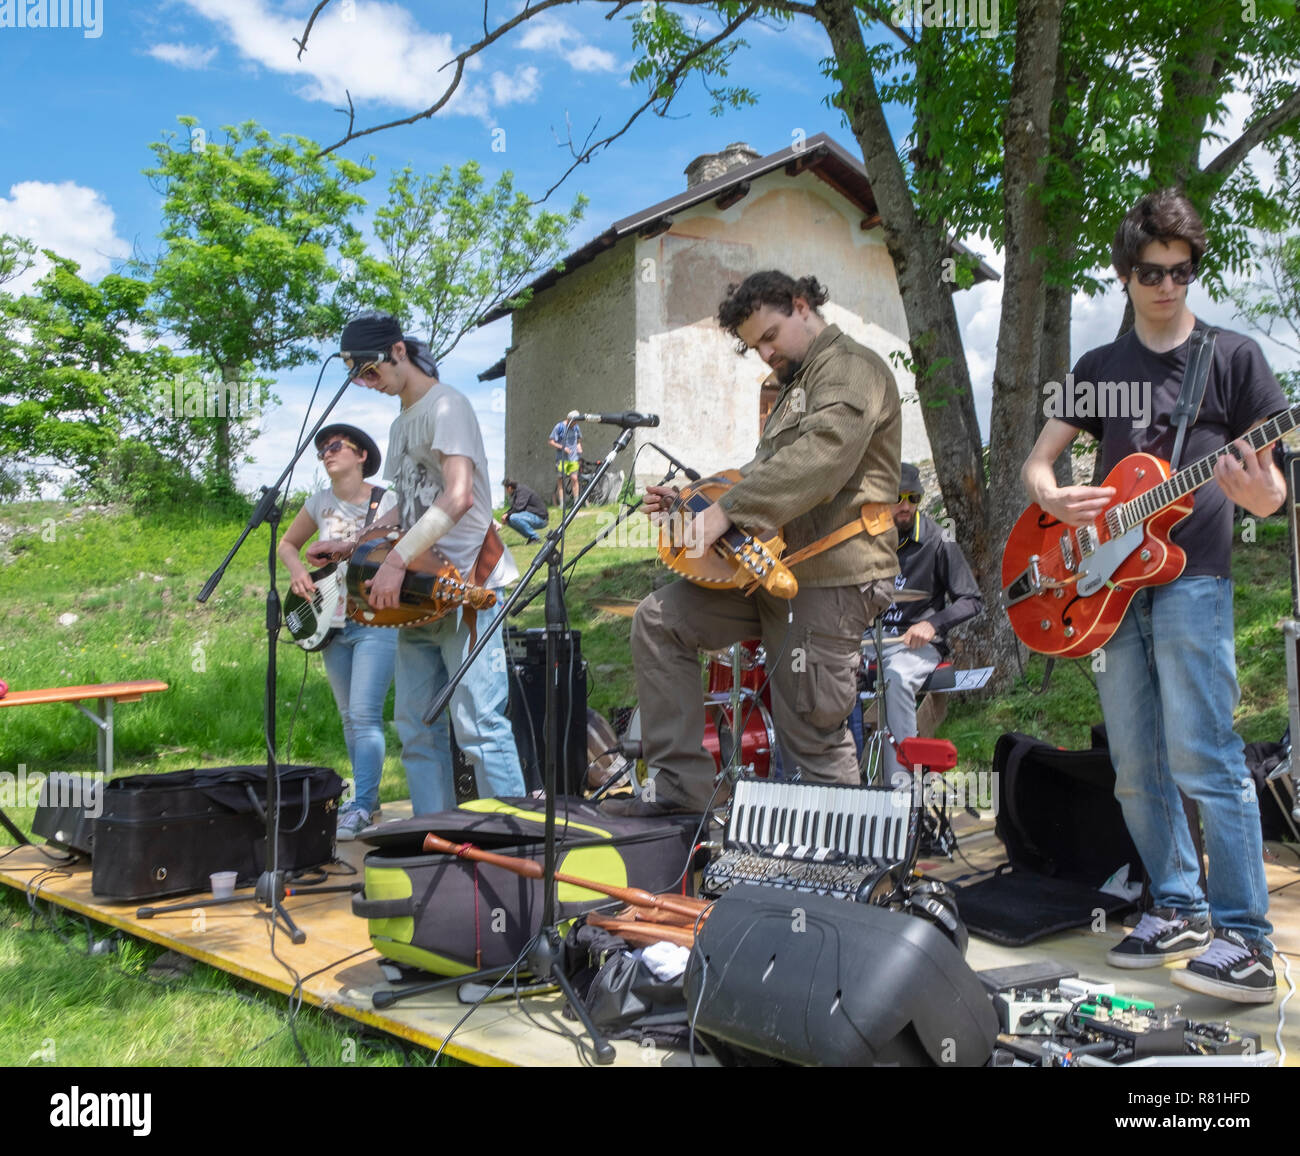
{"x": 76, "y": 384}
{"x": 454, "y": 248}
{"x": 251, "y": 226}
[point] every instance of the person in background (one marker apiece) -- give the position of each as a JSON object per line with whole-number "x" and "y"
{"x": 929, "y": 563}
{"x": 359, "y": 661}
{"x": 566, "y": 439}
{"x": 526, "y": 513}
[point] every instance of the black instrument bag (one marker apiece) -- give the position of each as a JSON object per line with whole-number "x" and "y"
{"x": 165, "y": 834}
{"x": 451, "y": 916}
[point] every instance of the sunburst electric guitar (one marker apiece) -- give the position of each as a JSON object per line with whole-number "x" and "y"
{"x": 1066, "y": 588}
{"x": 738, "y": 558}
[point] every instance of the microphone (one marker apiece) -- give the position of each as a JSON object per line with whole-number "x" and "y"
{"x": 359, "y": 358}
{"x": 629, "y": 418}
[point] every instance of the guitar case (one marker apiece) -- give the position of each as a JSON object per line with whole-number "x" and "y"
{"x": 1065, "y": 838}
{"x": 452, "y": 916}
{"x": 165, "y": 834}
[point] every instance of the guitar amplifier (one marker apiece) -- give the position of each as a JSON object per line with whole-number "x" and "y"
{"x": 526, "y": 654}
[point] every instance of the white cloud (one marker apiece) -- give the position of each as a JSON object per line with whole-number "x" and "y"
{"x": 552, "y": 35}
{"x": 589, "y": 58}
{"x": 183, "y": 55}
{"x": 520, "y": 88}
{"x": 374, "y": 51}
{"x": 73, "y": 220}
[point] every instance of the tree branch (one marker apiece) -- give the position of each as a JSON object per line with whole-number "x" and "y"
{"x": 1236, "y": 152}
{"x": 306, "y": 32}
{"x": 458, "y": 60}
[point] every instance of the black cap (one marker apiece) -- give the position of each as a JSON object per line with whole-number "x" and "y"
{"x": 362, "y": 440}
{"x": 909, "y": 481}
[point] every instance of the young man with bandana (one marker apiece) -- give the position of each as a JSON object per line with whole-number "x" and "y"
{"x": 438, "y": 469}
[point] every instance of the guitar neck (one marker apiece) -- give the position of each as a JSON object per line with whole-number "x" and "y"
{"x": 1192, "y": 477}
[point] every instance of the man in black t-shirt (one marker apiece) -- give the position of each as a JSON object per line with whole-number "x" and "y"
{"x": 1167, "y": 677}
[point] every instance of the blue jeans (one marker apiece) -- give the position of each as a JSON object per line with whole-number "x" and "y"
{"x": 525, "y": 523}
{"x": 426, "y": 657}
{"x": 359, "y": 664}
{"x": 1168, "y": 690}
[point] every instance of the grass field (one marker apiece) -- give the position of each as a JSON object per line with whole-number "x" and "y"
{"x": 95, "y": 596}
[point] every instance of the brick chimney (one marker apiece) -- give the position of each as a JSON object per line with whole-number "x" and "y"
{"x": 709, "y": 166}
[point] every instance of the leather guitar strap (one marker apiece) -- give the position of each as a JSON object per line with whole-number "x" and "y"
{"x": 489, "y": 554}
{"x": 1200, "y": 355}
{"x": 874, "y": 518}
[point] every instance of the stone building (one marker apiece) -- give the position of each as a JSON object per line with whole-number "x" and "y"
{"x": 629, "y": 324}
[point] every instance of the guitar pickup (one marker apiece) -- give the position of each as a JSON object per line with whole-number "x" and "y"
{"x": 1068, "y": 559}
{"x": 1026, "y": 585}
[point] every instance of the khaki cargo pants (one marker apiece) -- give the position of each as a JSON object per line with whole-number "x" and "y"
{"x": 812, "y": 660}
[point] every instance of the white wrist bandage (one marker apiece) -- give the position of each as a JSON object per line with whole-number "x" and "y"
{"x": 435, "y": 523}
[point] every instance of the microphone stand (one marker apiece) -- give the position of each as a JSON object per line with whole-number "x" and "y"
{"x": 623, "y": 514}
{"x": 270, "y": 889}
{"x": 543, "y": 953}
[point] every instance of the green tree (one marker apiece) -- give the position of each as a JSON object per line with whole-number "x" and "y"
{"x": 77, "y": 386}
{"x": 245, "y": 274}
{"x": 455, "y": 248}
{"x": 1038, "y": 133}
{"x": 1270, "y": 304}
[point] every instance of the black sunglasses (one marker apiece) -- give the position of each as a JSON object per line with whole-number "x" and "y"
{"x": 912, "y": 496}
{"x": 1151, "y": 275}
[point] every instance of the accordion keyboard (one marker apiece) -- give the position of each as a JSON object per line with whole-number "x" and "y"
{"x": 810, "y": 837}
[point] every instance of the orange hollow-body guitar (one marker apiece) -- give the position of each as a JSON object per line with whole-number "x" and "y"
{"x": 1066, "y": 588}
{"x": 737, "y": 559}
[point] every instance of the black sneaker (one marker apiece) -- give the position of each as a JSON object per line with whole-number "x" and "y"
{"x": 1161, "y": 935}
{"x": 1232, "y": 969}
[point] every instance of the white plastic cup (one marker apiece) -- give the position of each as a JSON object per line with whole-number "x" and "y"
{"x": 223, "y": 883}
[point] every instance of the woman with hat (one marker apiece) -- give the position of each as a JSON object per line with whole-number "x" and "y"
{"x": 359, "y": 662}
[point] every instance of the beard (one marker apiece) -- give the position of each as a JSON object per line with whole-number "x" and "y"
{"x": 786, "y": 370}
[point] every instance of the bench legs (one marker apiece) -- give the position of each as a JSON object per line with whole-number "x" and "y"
{"x": 104, "y": 733}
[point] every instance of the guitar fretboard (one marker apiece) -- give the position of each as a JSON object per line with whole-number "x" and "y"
{"x": 1137, "y": 510}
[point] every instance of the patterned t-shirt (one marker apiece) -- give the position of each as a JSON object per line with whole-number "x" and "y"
{"x": 338, "y": 519}
{"x": 443, "y": 424}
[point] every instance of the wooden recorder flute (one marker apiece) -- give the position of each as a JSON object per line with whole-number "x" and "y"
{"x": 681, "y": 905}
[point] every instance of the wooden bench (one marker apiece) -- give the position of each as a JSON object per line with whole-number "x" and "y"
{"x": 107, "y": 694}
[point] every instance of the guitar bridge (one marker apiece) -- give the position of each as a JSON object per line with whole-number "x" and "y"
{"x": 1028, "y": 584}
{"x": 1068, "y": 559}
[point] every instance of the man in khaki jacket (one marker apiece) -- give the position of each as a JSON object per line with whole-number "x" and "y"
{"x": 831, "y": 445}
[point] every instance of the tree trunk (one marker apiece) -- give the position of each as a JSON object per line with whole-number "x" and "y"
{"x": 1017, "y": 385}
{"x": 918, "y": 249}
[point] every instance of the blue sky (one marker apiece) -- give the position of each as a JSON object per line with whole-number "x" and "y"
{"x": 70, "y": 176}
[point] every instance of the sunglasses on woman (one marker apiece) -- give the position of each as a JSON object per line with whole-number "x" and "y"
{"x": 334, "y": 447}
{"x": 1151, "y": 275}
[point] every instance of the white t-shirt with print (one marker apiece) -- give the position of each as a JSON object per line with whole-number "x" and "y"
{"x": 443, "y": 424}
{"x": 336, "y": 518}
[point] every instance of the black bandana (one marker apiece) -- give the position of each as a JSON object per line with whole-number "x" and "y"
{"x": 373, "y": 331}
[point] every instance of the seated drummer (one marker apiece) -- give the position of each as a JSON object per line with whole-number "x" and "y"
{"x": 831, "y": 445}
{"x": 931, "y": 564}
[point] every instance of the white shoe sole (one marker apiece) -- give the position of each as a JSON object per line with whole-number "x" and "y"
{"x": 1133, "y": 962}
{"x": 1195, "y": 981}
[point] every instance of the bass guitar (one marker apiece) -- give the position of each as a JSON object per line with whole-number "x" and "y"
{"x": 737, "y": 559}
{"x": 309, "y": 620}
{"x": 431, "y": 585}
{"x": 1066, "y": 588}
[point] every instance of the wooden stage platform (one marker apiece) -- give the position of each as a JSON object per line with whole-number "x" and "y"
{"x": 340, "y": 971}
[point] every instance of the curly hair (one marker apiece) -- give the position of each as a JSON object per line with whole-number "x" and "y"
{"x": 769, "y": 287}
{"x": 1166, "y": 215}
